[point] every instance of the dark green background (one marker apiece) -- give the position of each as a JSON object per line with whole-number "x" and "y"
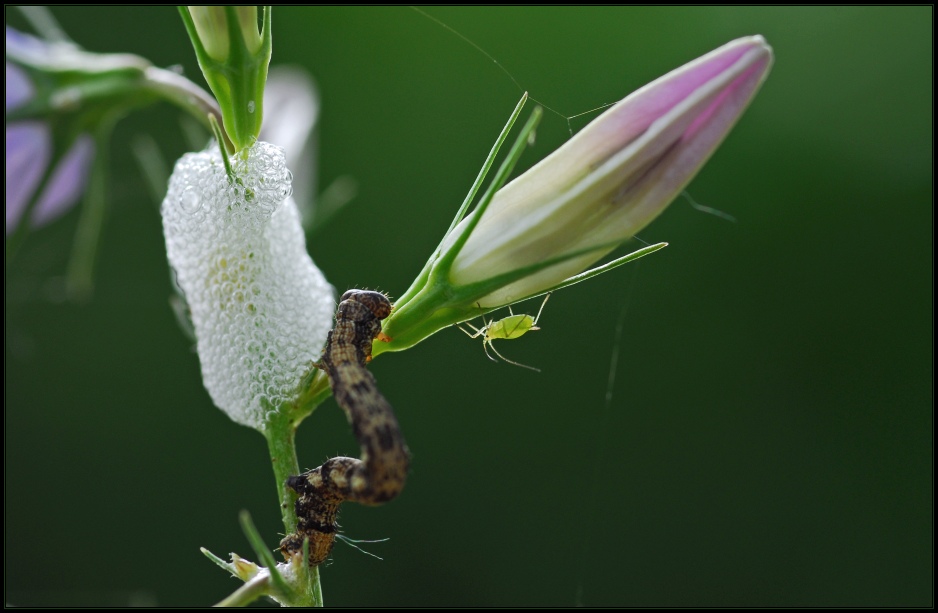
{"x": 770, "y": 437}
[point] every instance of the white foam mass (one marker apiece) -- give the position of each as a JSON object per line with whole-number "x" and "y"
{"x": 260, "y": 307}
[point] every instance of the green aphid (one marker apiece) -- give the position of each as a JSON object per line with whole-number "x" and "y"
{"x": 509, "y": 327}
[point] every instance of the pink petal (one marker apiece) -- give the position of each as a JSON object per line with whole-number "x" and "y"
{"x": 617, "y": 127}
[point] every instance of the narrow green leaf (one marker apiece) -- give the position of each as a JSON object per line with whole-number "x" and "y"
{"x": 486, "y": 166}
{"x": 442, "y": 265}
{"x": 218, "y": 561}
{"x": 264, "y": 555}
{"x": 589, "y": 274}
{"x": 421, "y": 279}
{"x": 219, "y": 136}
{"x": 152, "y": 165}
{"x": 79, "y": 280}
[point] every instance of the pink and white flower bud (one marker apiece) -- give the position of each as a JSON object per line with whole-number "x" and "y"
{"x": 615, "y": 176}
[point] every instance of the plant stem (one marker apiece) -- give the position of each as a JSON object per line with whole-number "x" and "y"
{"x": 80, "y": 275}
{"x": 281, "y": 435}
{"x": 185, "y": 94}
{"x": 19, "y": 233}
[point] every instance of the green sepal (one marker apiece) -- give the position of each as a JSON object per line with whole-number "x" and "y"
{"x": 440, "y": 304}
{"x": 589, "y": 274}
{"x": 424, "y": 275}
{"x": 435, "y": 277}
{"x": 228, "y": 566}
{"x": 444, "y": 263}
{"x": 222, "y": 147}
{"x": 238, "y": 80}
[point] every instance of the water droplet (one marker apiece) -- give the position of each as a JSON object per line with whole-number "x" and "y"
{"x": 250, "y": 106}
{"x": 189, "y": 201}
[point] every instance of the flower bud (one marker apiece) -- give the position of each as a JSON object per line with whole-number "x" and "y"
{"x": 244, "y": 568}
{"x": 614, "y": 177}
{"x": 537, "y": 233}
{"x": 212, "y": 26}
{"x": 233, "y": 55}
{"x": 211, "y": 22}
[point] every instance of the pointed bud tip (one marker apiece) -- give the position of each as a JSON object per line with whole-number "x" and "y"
{"x": 758, "y": 42}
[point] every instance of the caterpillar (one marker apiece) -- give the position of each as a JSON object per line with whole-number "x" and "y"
{"x": 381, "y": 472}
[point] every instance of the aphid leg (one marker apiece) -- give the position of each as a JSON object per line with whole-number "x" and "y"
{"x": 512, "y": 361}
{"x": 477, "y": 334}
{"x": 486, "y": 343}
{"x": 483, "y": 331}
{"x": 539, "y": 311}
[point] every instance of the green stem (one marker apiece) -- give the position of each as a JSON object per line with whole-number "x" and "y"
{"x": 44, "y": 23}
{"x": 79, "y": 280}
{"x": 281, "y": 442}
{"x": 23, "y": 225}
{"x": 183, "y": 93}
{"x": 282, "y": 447}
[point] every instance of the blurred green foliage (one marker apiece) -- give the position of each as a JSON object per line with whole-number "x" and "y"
{"x": 769, "y": 441}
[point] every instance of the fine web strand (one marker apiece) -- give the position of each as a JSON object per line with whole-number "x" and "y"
{"x": 641, "y": 240}
{"x": 507, "y": 72}
{"x": 604, "y": 429}
{"x": 600, "y": 451}
{"x": 707, "y": 209}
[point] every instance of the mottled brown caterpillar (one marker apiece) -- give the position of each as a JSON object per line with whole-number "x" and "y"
{"x": 380, "y": 473}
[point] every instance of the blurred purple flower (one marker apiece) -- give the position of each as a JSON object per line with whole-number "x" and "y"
{"x": 29, "y": 151}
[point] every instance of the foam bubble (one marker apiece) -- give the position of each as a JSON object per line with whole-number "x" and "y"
{"x": 260, "y": 307}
